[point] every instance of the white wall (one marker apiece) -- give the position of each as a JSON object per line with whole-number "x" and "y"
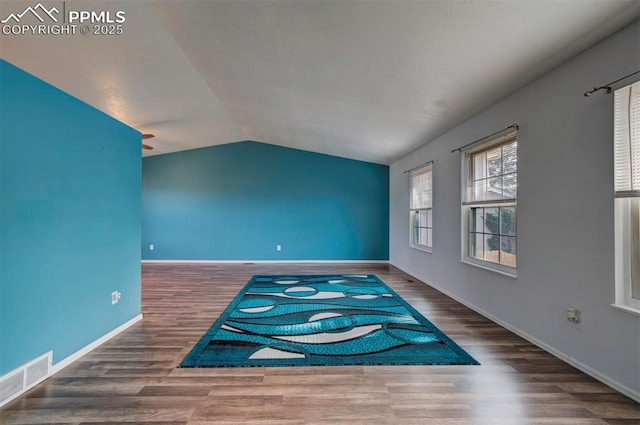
{"x": 565, "y": 216}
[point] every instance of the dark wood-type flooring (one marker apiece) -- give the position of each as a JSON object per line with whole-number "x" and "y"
{"x": 133, "y": 377}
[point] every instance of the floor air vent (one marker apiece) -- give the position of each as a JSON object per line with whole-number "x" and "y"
{"x": 25, "y": 377}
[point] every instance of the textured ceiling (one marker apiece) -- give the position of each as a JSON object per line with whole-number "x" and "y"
{"x": 365, "y": 80}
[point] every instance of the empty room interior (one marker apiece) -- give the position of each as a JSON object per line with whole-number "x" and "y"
{"x": 440, "y": 200}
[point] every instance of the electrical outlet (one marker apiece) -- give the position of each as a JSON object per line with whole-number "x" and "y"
{"x": 115, "y": 297}
{"x": 278, "y": 247}
{"x": 574, "y": 316}
{"x": 151, "y": 247}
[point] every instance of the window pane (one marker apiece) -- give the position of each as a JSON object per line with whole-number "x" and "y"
{"x": 479, "y": 190}
{"x": 491, "y": 220}
{"x": 494, "y": 188}
{"x": 494, "y": 174}
{"x": 634, "y": 214}
{"x": 510, "y": 157}
{"x": 492, "y": 179}
{"x": 479, "y": 166}
{"x": 421, "y": 227}
{"x": 508, "y": 255}
{"x": 492, "y": 248}
{"x": 508, "y": 221}
{"x": 476, "y": 249}
{"x": 429, "y": 237}
{"x": 423, "y": 218}
{"x": 510, "y": 185}
{"x": 494, "y": 161}
{"x": 421, "y": 187}
{"x": 477, "y": 220}
{"x": 423, "y": 236}
{"x": 627, "y": 138}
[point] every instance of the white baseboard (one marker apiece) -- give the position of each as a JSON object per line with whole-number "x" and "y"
{"x": 264, "y": 261}
{"x": 629, "y": 392}
{"x": 53, "y": 369}
{"x": 95, "y": 344}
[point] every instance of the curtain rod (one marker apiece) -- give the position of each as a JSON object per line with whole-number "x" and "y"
{"x": 514, "y": 126}
{"x": 608, "y": 86}
{"x": 418, "y": 166}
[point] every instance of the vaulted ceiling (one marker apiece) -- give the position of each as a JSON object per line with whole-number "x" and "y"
{"x": 368, "y": 80}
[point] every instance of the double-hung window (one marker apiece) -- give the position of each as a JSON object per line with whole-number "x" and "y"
{"x": 421, "y": 207}
{"x": 489, "y": 205}
{"x": 627, "y": 195}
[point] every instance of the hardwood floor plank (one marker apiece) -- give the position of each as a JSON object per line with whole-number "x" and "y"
{"x": 292, "y": 390}
{"x": 611, "y": 410}
{"x": 175, "y": 391}
{"x": 96, "y": 414}
{"x": 108, "y": 402}
{"x": 146, "y": 423}
{"x": 134, "y": 377}
{"x": 250, "y": 422}
{"x": 622, "y": 422}
{"x": 254, "y": 407}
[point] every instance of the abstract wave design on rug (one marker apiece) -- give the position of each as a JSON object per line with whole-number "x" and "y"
{"x": 320, "y": 321}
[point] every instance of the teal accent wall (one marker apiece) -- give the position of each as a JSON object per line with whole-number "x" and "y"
{"x": 70, "y": 214}
{"x": 238, "y": 201}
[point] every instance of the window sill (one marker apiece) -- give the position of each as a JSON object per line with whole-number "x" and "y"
{"x": 487, "y": 266}
{"x": 626, "y": 308}
{"x": 422, "y": 248}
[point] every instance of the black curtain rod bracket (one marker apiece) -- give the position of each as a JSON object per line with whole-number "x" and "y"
{"x": 608, "y": 87}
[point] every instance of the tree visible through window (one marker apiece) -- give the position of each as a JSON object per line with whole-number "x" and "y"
{"x": 493, "y": 234}
{"x": 489, "y": 203}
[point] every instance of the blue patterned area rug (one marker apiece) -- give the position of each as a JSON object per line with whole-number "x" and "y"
{"x": 322, "y": 321}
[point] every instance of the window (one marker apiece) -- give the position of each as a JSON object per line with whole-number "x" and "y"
{"x": 421, "y": 204}
{"x": 627, "y": 195}
{"x": 489, "y": 204}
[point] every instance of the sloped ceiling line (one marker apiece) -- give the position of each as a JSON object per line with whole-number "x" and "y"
{"x": 371, "y": 81}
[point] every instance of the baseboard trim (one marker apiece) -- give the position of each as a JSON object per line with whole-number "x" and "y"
{"x": 629, "y": 392}
{"x": 53, "y": 369}
{"x": 95, "y": 344}
{"x": 264, "y": 261}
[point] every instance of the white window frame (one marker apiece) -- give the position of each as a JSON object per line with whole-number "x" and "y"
{"x": 415, "y": 211}
{"x": 468, "y": 206}
{"x": 627, "y": 197}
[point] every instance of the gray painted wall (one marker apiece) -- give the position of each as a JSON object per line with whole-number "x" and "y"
{"x": 565, "y": 216}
